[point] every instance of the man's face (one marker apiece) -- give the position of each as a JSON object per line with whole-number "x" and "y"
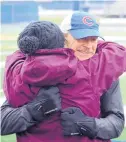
{"x": 84, "y": 48}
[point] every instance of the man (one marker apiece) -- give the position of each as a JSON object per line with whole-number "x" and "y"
{"x": 75, "y": 26}
{"x": 89, "y": 127}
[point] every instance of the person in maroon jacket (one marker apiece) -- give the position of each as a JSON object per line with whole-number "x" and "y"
{"x": 40, "y": 68}
{"x": 15, "y": 120}
{"x": 76, "y": 36}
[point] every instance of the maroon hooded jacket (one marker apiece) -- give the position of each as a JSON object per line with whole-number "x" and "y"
{"x": 81, "y": 84}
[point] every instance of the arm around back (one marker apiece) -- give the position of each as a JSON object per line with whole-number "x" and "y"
{"x": 109, "y": 63}
{"x": 112, "y": 122}
{"x": 14, "y": 120}
{"x": 110, "y": 125}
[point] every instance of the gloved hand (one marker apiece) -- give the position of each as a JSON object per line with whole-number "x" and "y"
{"x": 75, "y": 122}
{"x": 47, "y": 101}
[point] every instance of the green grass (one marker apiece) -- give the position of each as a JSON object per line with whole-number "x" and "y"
{"x": 123, "y": 136}
{"x": 123, "y": 88}
{"x": 13, "y": 30}
{"x": 57, "y": 19}
{"x": 8, "y": 45}
{"x": 105, "y": 33}
{"x": 8, "y": 138}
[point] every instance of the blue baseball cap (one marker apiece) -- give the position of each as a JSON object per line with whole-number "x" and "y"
{"x": 80, "y": 25}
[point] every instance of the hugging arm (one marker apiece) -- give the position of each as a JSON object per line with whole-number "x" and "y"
{"x": 112, "y": 122}
{"x": 109, "y": 126}
{"x": 108, "y": 64}
{"x": 14, "y": 120}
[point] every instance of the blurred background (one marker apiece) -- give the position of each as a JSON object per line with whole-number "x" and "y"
{"x": 15, "y": 15}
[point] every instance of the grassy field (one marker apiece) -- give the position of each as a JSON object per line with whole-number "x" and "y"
{"x": 9, "y": 33}
{"x": 123, "y": 89}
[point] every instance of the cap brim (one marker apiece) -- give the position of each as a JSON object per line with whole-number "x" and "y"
{"x": 82, "y": 33}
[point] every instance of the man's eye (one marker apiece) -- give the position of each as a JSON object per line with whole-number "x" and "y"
{"x": 94, "y": 38}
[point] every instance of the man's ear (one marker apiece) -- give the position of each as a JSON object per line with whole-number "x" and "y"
{"x": 65, "y": 35}
{"x": 65, "y": 43}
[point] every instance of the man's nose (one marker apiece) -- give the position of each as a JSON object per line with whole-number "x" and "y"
{"x": 90, "y": 49}
{"x": 89, "y": 45}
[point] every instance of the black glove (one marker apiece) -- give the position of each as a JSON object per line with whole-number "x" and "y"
{"x": 47, "y": 101}
{"x": 75, "y": 122}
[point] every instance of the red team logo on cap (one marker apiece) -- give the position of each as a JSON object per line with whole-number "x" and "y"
{"x": 87, "y": 21}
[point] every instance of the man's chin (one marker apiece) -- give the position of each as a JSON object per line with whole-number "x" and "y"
{"x": 83, "y": 56}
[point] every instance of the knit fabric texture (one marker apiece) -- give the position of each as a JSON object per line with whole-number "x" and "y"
{"x": 40, "y": 35}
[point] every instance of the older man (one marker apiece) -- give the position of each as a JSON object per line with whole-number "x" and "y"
{"x": 111, "y": 122}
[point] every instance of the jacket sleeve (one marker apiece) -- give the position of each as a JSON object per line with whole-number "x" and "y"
{"x": 109, "y": 64}
{"x": 49, "y": 69}
{"x": 112, "y": 122}
{"x": 14, "y": 120}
